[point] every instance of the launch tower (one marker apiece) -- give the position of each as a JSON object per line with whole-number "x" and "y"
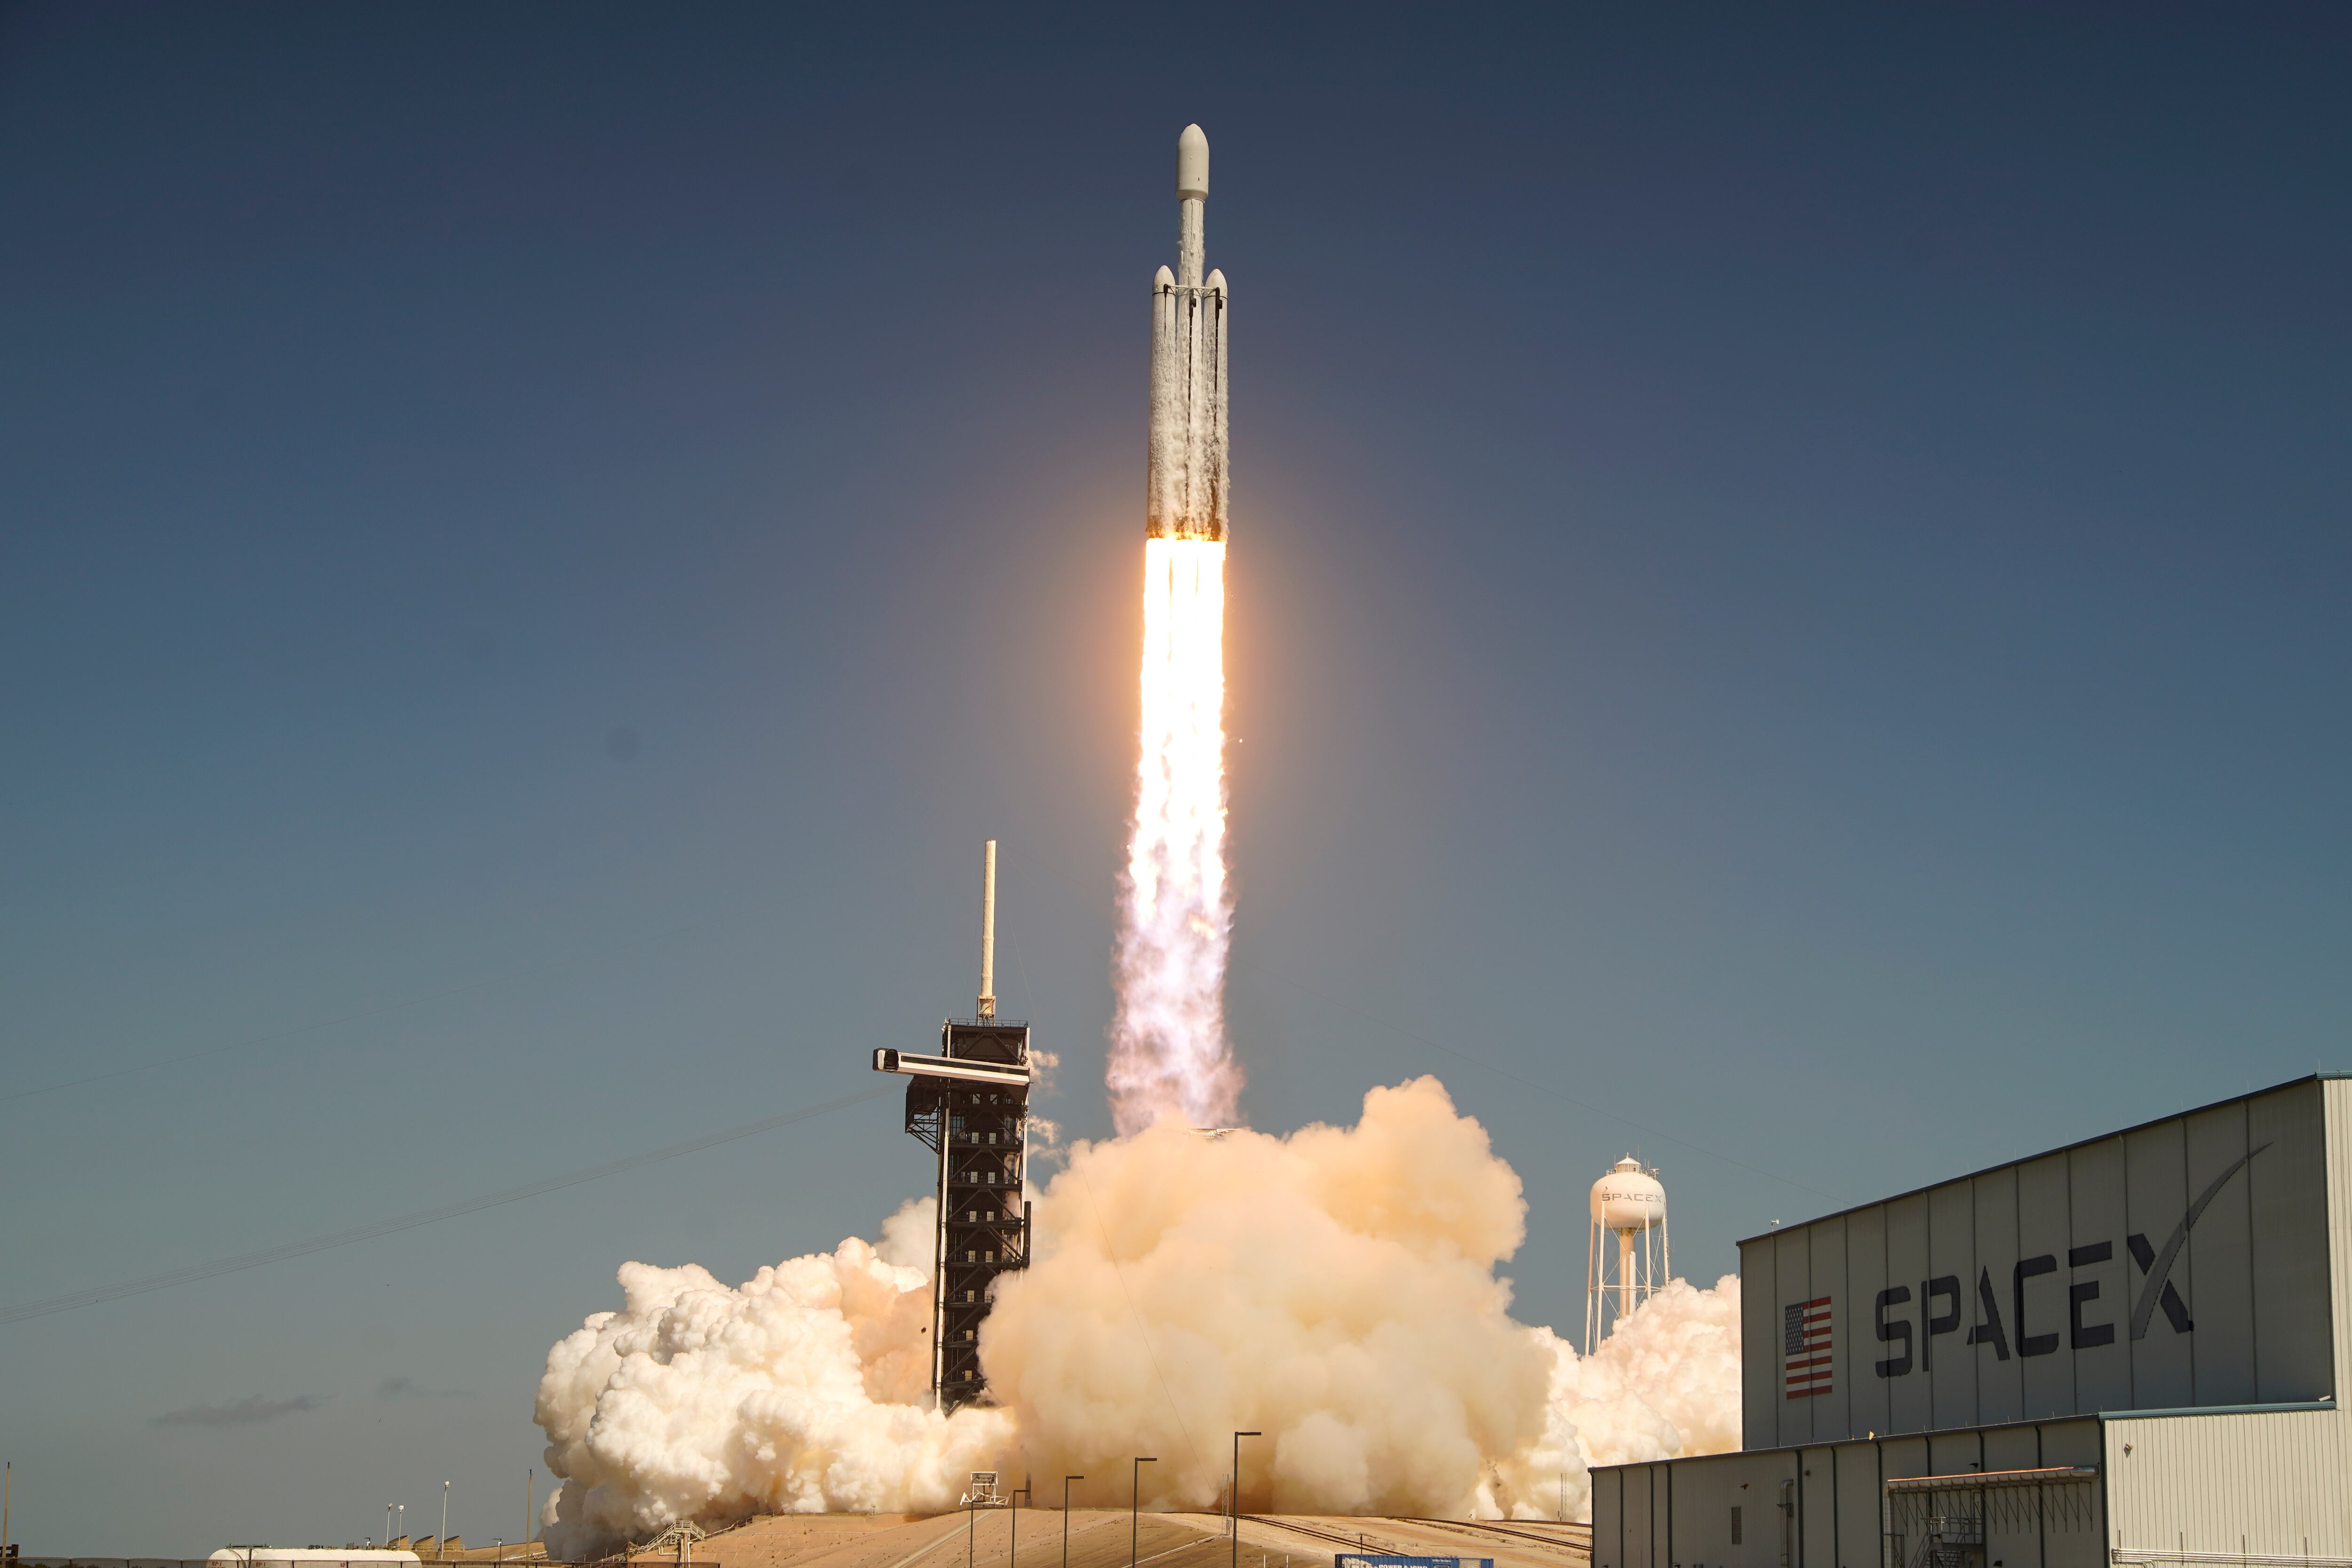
{"x": 970, "y": 1106}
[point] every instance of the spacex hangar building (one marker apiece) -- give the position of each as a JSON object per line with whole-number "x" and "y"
{"x": 2124, "y": 1353}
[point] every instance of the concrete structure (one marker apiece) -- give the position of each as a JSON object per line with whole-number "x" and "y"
{"x": 2122, "y": 1352}
{"x": 970, "y": 1106}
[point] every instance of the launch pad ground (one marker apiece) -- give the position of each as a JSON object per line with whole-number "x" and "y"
{"x": 1099, "y": 1538}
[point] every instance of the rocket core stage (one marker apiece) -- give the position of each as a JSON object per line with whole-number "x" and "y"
{"x": 1186, "y": 488}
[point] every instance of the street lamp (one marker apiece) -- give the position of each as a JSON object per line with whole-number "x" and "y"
{"x": 1066, "y": 1518}
{"x": 441, "y": 1541}
{"x": 1234, "y": 1498}
{"x": 1135, "y": 1504}
{"x": 388, "y": 1524}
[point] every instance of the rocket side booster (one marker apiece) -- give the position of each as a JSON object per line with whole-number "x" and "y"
{"x": 1185, "y": 496}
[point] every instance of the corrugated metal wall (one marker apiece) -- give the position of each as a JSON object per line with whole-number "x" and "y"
{"x": 2270, "y": 1484}
{"x": 2181, "y": 1263}
{"x": 2274, "y": 1483}
{"x": 1678, "y": 1514}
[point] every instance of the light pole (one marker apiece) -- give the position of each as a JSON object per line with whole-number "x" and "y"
{"x": 441, "y": 1541}
{"x": 1135, "y": 1504}
{"x": 1066, "y": 1518}
{"x": 388, "y": 1524}
{"x": 1234, "y": 1498}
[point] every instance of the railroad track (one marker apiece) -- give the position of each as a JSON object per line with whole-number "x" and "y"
{"x": 1362, "y": 1540}
{"x": 1490, "y": 1527}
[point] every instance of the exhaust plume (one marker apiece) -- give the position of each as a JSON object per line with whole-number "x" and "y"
{"x": 1168, "y": 1054}
{"x": 1335, "y": 1289}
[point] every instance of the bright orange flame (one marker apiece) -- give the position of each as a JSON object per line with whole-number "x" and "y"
{"x": 1168, "y": 1052}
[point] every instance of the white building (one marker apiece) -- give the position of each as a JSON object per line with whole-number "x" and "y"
{"x": 2122, "y": 1352}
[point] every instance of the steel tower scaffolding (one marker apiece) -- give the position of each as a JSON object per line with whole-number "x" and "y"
{"x": 970, "y": 1106}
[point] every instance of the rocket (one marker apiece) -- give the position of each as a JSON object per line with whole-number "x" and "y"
{"x": 1185, "y": 496}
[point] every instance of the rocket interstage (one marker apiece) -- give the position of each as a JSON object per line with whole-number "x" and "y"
{"x": 1169, "y": 1052}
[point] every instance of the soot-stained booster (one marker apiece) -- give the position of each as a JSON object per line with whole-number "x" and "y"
{"x": 970, "y": 1106}
{"x": 1188, "y": 473}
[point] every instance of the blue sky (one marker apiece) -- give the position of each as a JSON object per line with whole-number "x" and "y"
{"x": 1789, "y": 616}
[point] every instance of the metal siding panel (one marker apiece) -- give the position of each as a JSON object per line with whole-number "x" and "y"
{"x": 1817, "y": 1507}
{"x": 1608, "y": 1511}
{"x": 2095, "y": 1202}
{"x": 1662, "y": 1516}
{"x": 1832, "y": 1417}
{"x": 2265, "y": 1484}
{"x": 1702, "y": 1532}
{"x": 2067, "y": 1541}
{"x": 2045, "y": 1229}
{"x": 1865, "y": 1276}
{"x": 2012, "y": 1539}
{"x": 1900, "y": 1456}
{"x": 2339, "y": 1104}
{"x": 1910, "y": 1403}
{"x": 1760, "y": 1477}
{"x": 2001, "y": 1385}
{"x": 1639, "y": 1482}
{"x": 2156, "y": 1194}
{"x": 1952, "y": 1249}
{"x": 2222, "y": 1347}
{"x": 1792, "y": 1260}
{"x": 2287, "y": 1196}
{"x": 1759, "y": 1329}
{"x": 1950, "y": 1453}
{"x": 2012, "y": 1448}
{"x": 1857, "y": 1503}
{"x": 2070, "y": 1442}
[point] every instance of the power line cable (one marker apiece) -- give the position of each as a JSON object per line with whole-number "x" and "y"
{"x": 356, "y": 1233}
{"x": 382, "y": 1010}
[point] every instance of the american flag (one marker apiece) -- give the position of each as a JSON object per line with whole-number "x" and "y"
{"x": 1805, "y": 1347}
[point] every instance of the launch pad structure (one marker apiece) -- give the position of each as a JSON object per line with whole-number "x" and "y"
{"x": 970, "y": 1106}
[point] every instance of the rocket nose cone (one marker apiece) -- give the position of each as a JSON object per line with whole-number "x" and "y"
{"x": 1193, "y": 162}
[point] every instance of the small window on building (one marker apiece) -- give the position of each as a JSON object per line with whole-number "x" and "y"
{"x": 1735, "y": 1527}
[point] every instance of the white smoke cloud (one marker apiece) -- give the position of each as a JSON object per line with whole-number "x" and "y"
{"x": 801, "y": 1391}
{"x": 1335, "y": 1289}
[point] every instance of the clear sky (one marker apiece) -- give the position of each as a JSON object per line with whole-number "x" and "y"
{"x": 1790, "y": 615}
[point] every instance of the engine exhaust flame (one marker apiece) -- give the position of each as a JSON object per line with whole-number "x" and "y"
{"x": 1168, "y": 1054}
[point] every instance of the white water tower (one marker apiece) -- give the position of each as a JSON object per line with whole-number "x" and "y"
{"x": 1626, "y": 1260}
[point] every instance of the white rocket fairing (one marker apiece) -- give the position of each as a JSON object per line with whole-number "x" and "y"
{"x": 1187, "y": 483}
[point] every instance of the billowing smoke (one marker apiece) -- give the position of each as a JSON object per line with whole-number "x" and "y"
{"x": 1168, "y": 1054}
{"x": 1335, "y": 1289}
{"x": 802, "y": 1391}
